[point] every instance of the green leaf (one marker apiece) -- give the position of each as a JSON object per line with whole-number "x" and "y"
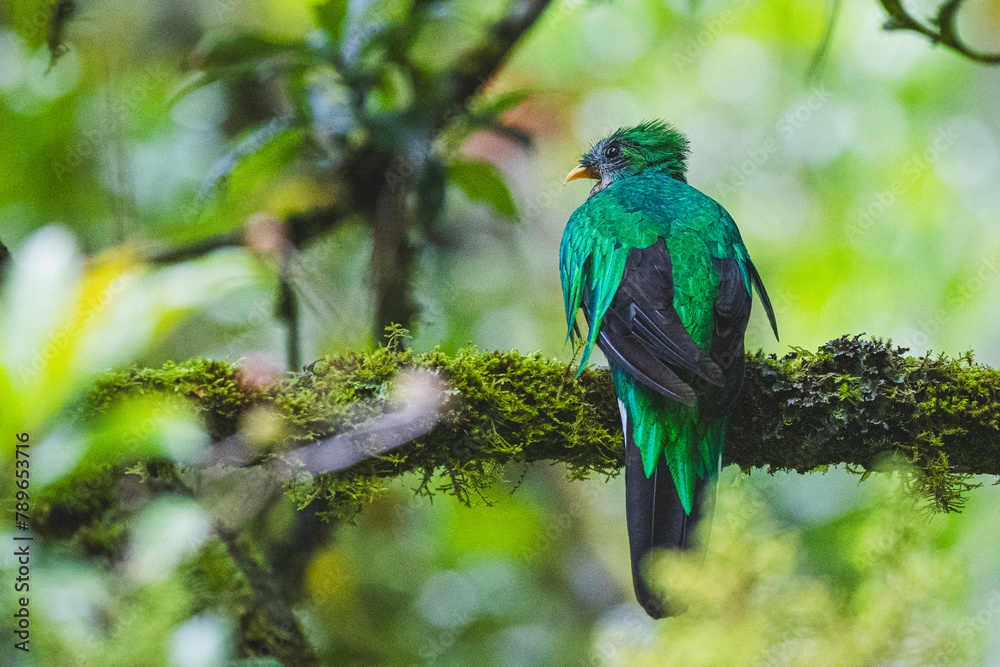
{"x": 484, "y": 183}
{"x": 244, "y": 49}
{"x": 486, "y": 114}
{"x": 394, "y": 92}
{"x": 33, "y": 20}
{"x": 504, "y": 101}
{"x": 260, "y": 153}
{"x": 330, "y": 16}
{"x": 263, "y": 164}
{"x": 236, "y": 57}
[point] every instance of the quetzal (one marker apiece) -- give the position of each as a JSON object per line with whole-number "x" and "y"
{"x": 664, "y": 281}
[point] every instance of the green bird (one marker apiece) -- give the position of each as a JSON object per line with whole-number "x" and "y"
{"x": 664, "y": 281}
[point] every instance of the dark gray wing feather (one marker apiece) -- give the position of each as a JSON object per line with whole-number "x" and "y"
{"x": 643, "y": 334}
{"x": 731, "y": 312}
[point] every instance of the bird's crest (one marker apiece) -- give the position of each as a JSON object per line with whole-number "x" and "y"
{"x": 630, "y": 150}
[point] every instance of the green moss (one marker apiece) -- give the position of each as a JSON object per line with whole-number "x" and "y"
{"x": 856, "y": 400}
{"x": 505, "y": 406}
{"x": 853, "y": 402}
{"x": 85, "y": 508}
{"x": 213, "y": 386}
{"x": 216, "y": 581}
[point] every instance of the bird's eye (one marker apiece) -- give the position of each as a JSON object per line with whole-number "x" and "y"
{"x": 611, "y": 152}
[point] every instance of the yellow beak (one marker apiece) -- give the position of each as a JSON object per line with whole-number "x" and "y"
{"x": 581, "y": 172}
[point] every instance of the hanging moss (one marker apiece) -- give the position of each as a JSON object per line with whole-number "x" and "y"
{"x": 854, "y": 401}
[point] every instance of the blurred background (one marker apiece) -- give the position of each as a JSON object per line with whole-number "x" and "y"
{"x": 862, "y": 168}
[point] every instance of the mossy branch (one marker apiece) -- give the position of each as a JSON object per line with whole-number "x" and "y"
{"x": 853, "y": 402}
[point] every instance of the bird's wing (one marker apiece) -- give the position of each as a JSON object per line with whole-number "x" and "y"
{"x": 730, "y": 314}
{"x": 615, "y": 264}
{"x": 591, "y": 263}
{"x": 642, "y": 333}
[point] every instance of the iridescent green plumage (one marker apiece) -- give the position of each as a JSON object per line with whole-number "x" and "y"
{"x": 633, "y": 212}
{"x": 664, "y": 280}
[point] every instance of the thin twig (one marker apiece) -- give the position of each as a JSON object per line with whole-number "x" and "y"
{"x": 942, "y": 31}
{"x": 195, "y": 249}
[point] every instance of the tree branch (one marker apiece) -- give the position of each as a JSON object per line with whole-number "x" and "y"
{"x": 269, "y": 624}
{"x": 942, "y": 31}
{"x": 483, "y": 61}
{"x": 393, "y": 254}
{"x": 194, "y": 249}
{"x": 853, "y": 402}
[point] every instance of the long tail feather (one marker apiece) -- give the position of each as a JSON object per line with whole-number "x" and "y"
{"x": 656, "y": 520}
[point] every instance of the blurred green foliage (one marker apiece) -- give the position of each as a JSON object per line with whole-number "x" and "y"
{"x": 867, "y": 196}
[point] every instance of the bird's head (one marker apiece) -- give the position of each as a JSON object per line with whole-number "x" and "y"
{"x": 630, "y": 151}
